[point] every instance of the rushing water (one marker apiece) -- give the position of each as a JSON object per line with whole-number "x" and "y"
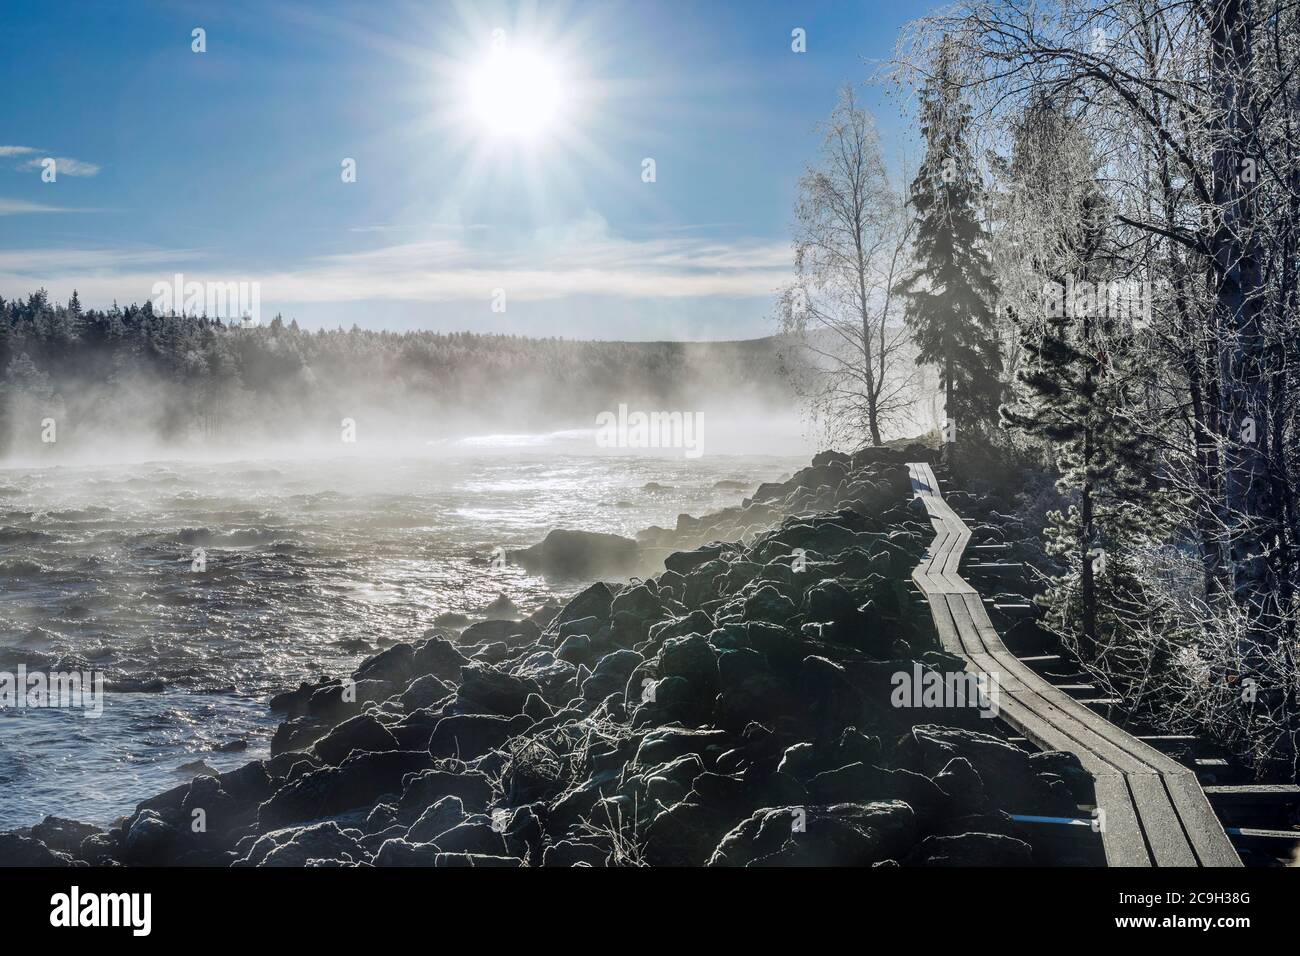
{"x": 311, "y": 565}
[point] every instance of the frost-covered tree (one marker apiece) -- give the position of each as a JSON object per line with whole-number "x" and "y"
{"x": 851, "y": 238}
{"x": 950, "y": 294}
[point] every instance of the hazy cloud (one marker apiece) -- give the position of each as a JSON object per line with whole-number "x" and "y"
{"x": 581, "y": 261}
{"x": 64, "y": 166}
{"x": 112, "y": 262}
{"x": 16, "y": 207}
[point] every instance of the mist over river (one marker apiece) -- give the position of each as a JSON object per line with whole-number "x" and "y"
{"x": 312, "y": 564}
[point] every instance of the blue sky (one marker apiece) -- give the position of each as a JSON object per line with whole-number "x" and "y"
{"x": 226, "y": 165}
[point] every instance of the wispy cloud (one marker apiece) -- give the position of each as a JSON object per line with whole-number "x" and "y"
{"x": 451, "y": 270}
{"x": 582, "y": 261}
{"x": 110, "y": 262}
{"x": 64, "y": 166}
{"x": 18, "y": 207}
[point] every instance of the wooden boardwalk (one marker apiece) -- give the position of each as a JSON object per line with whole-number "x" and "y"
{"x": 1153, "y": 811}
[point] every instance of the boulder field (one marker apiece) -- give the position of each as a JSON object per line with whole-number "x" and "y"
{"x": 732, "y": 709}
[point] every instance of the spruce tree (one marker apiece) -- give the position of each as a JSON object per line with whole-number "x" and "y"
{"x": 1072, "y": 394}
{"x": 950, "y": 292}
{"x": 1076, "y": 384}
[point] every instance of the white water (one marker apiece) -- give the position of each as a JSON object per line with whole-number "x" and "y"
{"x": 312, "y": 564}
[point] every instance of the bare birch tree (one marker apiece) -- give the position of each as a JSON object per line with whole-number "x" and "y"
{"x": 852, "y": 233}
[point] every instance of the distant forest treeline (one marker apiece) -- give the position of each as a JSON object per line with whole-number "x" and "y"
{"x": 133, "y": 371}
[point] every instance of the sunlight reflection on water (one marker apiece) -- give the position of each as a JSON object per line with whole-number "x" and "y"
{"x": 309, "y": 567}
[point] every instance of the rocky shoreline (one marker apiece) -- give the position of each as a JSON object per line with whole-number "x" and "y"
{"x": 732, "y": 708}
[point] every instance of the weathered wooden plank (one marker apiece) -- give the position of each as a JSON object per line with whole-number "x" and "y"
{"x": 1155, "y": 812}
{"x": 1212, "y": 846}
{"x": 1259, "y": 834}
{"x": 1121, "y": 835}
{"x": 1160, "y": 821}
{"x": 1253, "y": 793}
{"x": 1145, "y": 754}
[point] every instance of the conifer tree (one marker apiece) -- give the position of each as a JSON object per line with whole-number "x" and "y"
{"x": 1072, "y": 394}
{"x": 1076, "y": 383}
{"x": 951, "y": 293}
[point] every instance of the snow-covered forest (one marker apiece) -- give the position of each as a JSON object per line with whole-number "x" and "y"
{"x": 1098, "y": 256}
{"x": 134, "y": 374}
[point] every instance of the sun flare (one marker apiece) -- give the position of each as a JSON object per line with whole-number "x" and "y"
{"x": 516, "y": 93}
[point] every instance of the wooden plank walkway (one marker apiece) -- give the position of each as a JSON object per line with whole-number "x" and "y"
{"x": 1155, "y": 813}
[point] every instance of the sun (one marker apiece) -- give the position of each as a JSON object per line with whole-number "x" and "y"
{"x": 516, "y": 93}
{"x": 522, "y": 110}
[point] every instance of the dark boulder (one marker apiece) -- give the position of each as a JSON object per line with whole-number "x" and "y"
{"x": 469, "y": 736}
{"x": 363, "y": 733}
{"x": 439, "y": 657}
{"x": 685, "y": 834}
{"x": 576, "y": 649}
{"x": 693, "y": 659}
{"x": 503, "y": 631}
{"x": 697, "y": 622}
{"x": 424, "y": 692}
{"x": 297, "y": 733}
{"x": 668, "y": 743}
{"x": 501, "y": 608}
{"x": 577, "y": 803}
{"x": 490, "y": 690}
{"x": 62, "y": 836}
{"x": 972, "y": 849}
{"x": 294, "y": 702}
{"x": 847, "y": 834}
{"x": 963, "y": 785}
{"x": 472, "y": 835}
{"x": 494, "y": 653}
{"x": 823, "y": 458}
{"x": 878, "y": 454}
{"x": 425, "y": 789}
{"x": 1066, "y": 767}
{"x": 584, "y": 626}
{"x": 610, "y": 676}
{"x": 575, "y": 853}
{"x": 594, "y": 601}
{"x": 864, "y": 783}
{"x": 641, "y": 601}
{"x": 396, "y": 664}
{"x": 444, "y": 814}
{"x": 335, "y": 702}
{"x": 701, "y": 584}
{"x": 23, "y": 851}
{"x": 834, "y": 699}
{"x": 830, "y": 602}
{"x": 324, "y": 841}
{"x": 399, "y": 852}
{"x": 358, "y": 782}
{"x": 684, "y": 562}
{"x": 1011, "y": 779}
{"x": 213, "y": 813}
{"x": 769, "y": 605}
{"x": 579, "y": 554}
{"x": 475, "y": 859}
{"x": 150, "y": 839}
